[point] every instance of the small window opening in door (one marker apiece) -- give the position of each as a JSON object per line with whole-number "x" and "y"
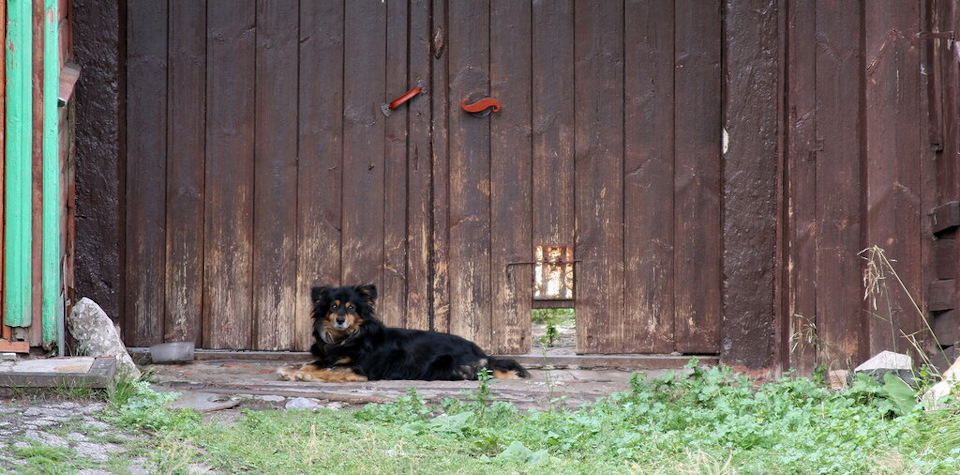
{"x": 553, "y": 320}
{"x": 553, "y": 273}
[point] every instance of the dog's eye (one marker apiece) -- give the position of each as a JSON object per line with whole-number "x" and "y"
{"x": 333, "y": 306}
{"x": 349, "y": 306}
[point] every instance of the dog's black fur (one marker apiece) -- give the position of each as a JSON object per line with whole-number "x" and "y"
{"x": 352, "y": 344}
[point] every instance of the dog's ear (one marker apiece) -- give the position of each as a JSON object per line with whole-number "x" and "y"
{"x": 369, "y": 292}
{"x": 318, "y": 293}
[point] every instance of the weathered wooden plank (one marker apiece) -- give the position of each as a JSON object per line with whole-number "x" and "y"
{"x": 697, "y": 179}
{"x": 510, "y": 177}
{"x": 36, "y": 255}
{"x": 945, "y": 217}
{"x": 363, "y": 142}
{"x": 320, "y": 155}
{"x": 553, "y": 123}
{"x": 419, "y": 178}
{"x": 275, "y": 180}
{"x": 751, "y": 176}
{"x": 440, "y": 157}
{"x": 840, "y": 128}
{"x": 3, "y": 148}
{"x": 946, "y": 327}
{"x": 941, "y": 295}
{"x": 801, "y": 185}
{"x": 599, "y": 177}
{"x": 947, "y": 77}
{"x": 185, "y": 165}
{"x": 945, "y": 257}
{"x": 648, "y": 175}
{"x": 392, "y": 302}
{"x": 228, "y": 216}
{"x": 146, "y": 171}
{"x": 893, "y": 145}
{"x": 469, "y": 174}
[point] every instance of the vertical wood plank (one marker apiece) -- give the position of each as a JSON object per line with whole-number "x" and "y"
{"x": 510, "y": 177}
{"x": 893, "y": 145}
{"x": 363, "y": 142}
{"x": 801, "y": 185}
{"x": 392, "y": 301}
{"x": 36, "y": 255}
{"x": 3, "y": 148}
{"x": 839, "y": 185}
{"x": 599, "y": 73}
{"x": 185, "y": 166}
{"x": 320, "y": 155}
{"x": 146, "y": 171}
{"x": 648, "y": 175}
{"x": 468, "y": 43}
{"x": 419, "y": 177}
{"x": 553, "y": 123}
{"x": 275, "y": 178}
{"x": 228, "y": 216}
{"x": 751, "y": 176}
{"x": 440, "y": 165}
{"x": 697, "y": 175}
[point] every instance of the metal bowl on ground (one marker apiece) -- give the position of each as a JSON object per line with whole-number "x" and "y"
{"x": 172, "y": 352}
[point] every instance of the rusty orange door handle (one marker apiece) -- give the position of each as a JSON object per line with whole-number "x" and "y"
{"x": 404, "y": 98}
{"x": 386, "y": 108}
{"x": 481, "y": 108}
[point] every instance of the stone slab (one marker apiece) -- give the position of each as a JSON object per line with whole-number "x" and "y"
{"x": 79, "y": 371}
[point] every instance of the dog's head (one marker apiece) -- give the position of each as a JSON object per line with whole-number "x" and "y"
{"x": 340, "y": 312}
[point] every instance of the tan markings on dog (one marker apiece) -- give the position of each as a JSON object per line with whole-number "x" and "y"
{"x": 310, "y": 372}
{"x": 344, "y": 360}
{"x": 500, "y": 374}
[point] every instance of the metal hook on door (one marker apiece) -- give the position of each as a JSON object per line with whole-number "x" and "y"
{"x": 481, "y": 108}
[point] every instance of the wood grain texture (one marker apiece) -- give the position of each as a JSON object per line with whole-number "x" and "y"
{"x": 469, "y": 174}
{"x": 419, "y": 199}
{"x": 648, "y": 176}
{"x": 751, "y": 177}
{"x": 841, "y": 317}
{"x": 185, "y": 171}
{"x": 697, "y": 176}
{"x": 146, "y": 171}
{"x": 801, "y": 186}
{"x": 599, "y": 177}
{"x": 363, "y": 142}
{"x": 229, "y": 175}
{"x": 894, "y": 144}
{"x": 275, "y": 175}
{"x": 510, "y": 178}
{"x": 393, "y": 295}
{"x": 320, "y": 152}
{"x": 440, "y": 169}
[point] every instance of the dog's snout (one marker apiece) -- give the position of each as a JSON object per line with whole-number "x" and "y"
{"x": 341, "y": 319}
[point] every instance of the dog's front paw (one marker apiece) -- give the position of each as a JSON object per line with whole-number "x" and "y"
{"x": 287, "y": 374}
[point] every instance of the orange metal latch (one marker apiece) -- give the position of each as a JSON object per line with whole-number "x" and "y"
{"x": 481, "y": 108}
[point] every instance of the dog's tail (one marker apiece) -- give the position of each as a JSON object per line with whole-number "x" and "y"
{"x": 505, "y": 368}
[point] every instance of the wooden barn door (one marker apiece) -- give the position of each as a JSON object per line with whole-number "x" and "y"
{"x": 260, "y": 163}
{"x": 607, "y": 143}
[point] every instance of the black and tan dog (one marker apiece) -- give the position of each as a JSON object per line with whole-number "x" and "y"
{"x": 353, "y": 345}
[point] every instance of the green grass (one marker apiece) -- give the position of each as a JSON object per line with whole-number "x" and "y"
{"x": 707, "y": 421}
{"x": 558, "y": 316}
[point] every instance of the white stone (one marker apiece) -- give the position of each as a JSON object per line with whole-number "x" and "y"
{"x": 932, "y": 398}
{"x": 302, "y": 403}
{"x": 96, "y": 336}
{"x": 886, "y": 360}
